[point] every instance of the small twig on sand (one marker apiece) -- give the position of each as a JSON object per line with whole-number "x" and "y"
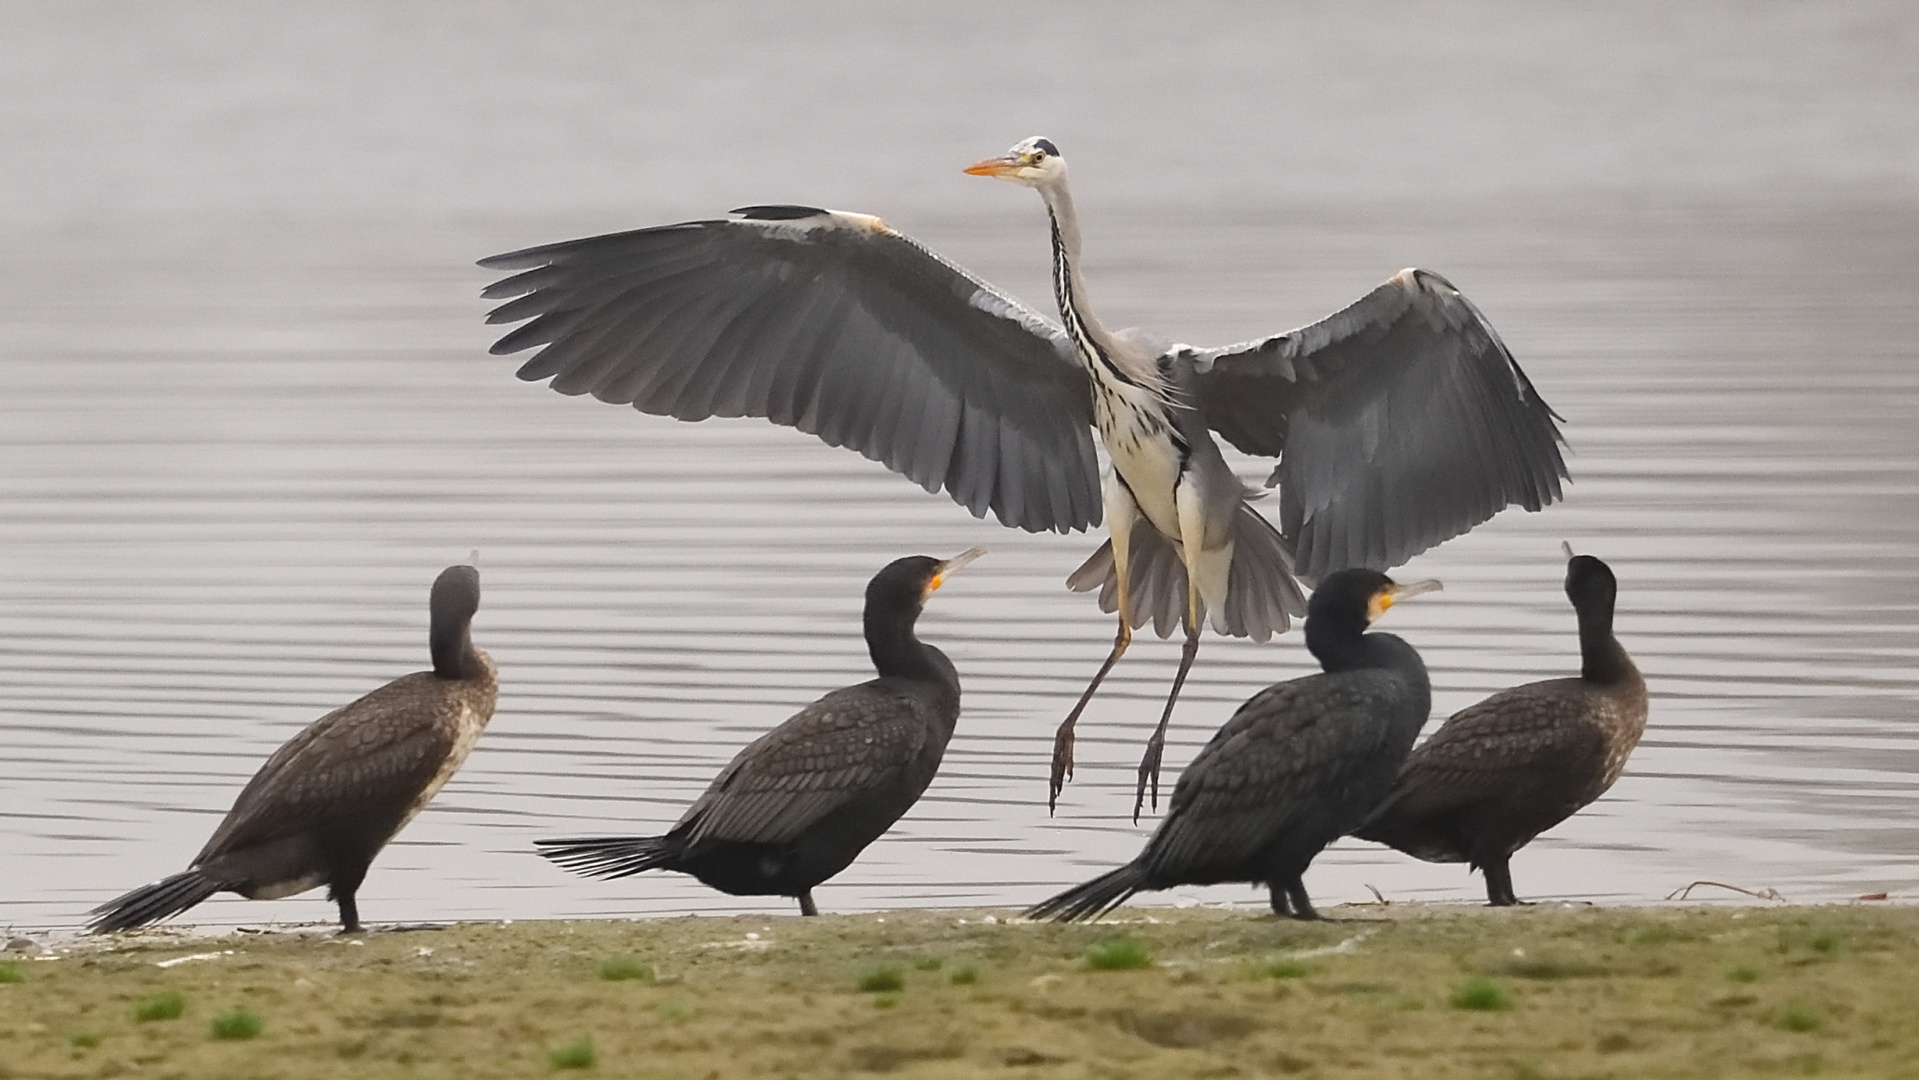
{"x": 1767, "y": 893}
{"x": 1379, "y": 897}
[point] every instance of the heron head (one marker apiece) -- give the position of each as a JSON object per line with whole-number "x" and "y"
{"x": 1031, "y": 162}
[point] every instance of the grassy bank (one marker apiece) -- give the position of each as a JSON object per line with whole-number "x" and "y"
{"x": 1425, "y": 992}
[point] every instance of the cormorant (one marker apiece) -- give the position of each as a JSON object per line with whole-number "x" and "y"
{"x": 325, "y": 803}
{"x": 801, "y": 802}
{"x": 1298, "y": 766}
{"x": 1507, "y": 769}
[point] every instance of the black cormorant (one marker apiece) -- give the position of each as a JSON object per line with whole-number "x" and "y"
{"x": 1298, "y": 766}
{"x": 801, "y": 802}
{"x": 1507, "y": 769}
{"x": 325, "y": 803}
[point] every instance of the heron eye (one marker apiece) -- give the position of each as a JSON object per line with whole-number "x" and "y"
{"x": 1039, "y": 155}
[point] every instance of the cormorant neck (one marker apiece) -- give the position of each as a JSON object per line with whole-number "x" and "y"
{"x": 895, "y": 649}
{"x": 1338, "y": 641}
{"x": 1601, "y": 658}
{"x": 454, "y": 656}
{"x": 1350, "y": 653}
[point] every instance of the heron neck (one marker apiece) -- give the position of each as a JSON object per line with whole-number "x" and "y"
{"x": 1069, "y": 287}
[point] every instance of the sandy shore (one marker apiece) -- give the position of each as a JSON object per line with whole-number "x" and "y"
{"x": 1550, "y": 991}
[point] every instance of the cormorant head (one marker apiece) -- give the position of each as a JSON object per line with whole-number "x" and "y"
{"x": 1348, "y": 601}
{"x": 906, "y": 583}
{"x": 456, "y": 595}
{"x": 1033, "y": 162}
{"x": 1589, "y": 582}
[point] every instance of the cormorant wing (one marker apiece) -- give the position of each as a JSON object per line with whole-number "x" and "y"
{"x": 1529, "y": 737}
{"x": 829, "y": 322}
{"x": 829, "y": 754}
{"x": 1289, "y": 760}
{"x": 1400, "y": 421}
{"x": 346, "y": 764}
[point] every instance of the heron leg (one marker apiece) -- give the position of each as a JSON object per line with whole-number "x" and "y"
{"x": 1200, "y": 563}
{"x": 1156, "y": 745}
{"x": 806, "y": 903}
{"x": 1121, "y": 512}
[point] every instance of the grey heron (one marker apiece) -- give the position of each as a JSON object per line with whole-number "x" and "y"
{"x": 800, "y": 803}
{"x": 325, "y": 803}
{"x": 1399, "y": 421}
{"x": 1299, "y": 765}
{"x": 1502, "y": 771}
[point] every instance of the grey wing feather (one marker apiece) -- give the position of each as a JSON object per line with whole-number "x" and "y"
{"x": 1291, "y": 755}
{"x": 1400, "y": 421}
{"x": 1262, "y": 594}
{"x": 828, "y": 322}
{"x": 353, "y": 757}
{"x": 828, "y": 754}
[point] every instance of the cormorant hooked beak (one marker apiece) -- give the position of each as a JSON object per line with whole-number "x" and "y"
{"x": 1393, "y": 593}
{"x": 950, "y": 566}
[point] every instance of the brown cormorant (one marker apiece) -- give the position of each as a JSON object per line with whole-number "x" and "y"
{"x": 801, "y": 802}
{"x": 1298, "y": 766}
{"x": 324, "y": 804}
{"x": 1507, "y": 769}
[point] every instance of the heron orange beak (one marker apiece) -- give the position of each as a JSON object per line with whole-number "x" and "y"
{"x": 1004, "y": 165}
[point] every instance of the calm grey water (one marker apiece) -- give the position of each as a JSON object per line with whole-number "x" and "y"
{"x": 246, "y": 415}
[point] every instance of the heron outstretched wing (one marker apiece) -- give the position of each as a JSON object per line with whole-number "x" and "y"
{"x": 1400, "y": 421}
{"x": 830, "y": 322}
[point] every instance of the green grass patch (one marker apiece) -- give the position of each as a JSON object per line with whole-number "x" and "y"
{"x": 166, "y": 1005}
{"x": 885, "y": 979}
{"x": 930, "y": 963}
{"x": 1797, "y": 1018}
{"x": 1117, "y": 954}
{"x": 578, "y": 1054}
{"x": 11, "y": 973}
{"x": 885, "y": 1001}
{"x": 1481, "y": 994}
{"x": 1825, "y": 943}
{"x": 1742, "y": 973}
{"x": 1546, "y": 967}
{"x": 964, "y": 975}
{"x": 625, "y": 969}
{"x": 1286, "y": 969}
{"x": 238, "y": 1024}
{"x": 1658, "y": 934}
{"x": 84, "y": 1040}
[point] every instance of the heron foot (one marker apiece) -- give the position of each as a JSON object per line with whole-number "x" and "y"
{"x": 1062, "y": 764}
{"x": 1149, "y": 773}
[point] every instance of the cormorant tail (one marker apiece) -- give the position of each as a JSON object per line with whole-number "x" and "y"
{"x": 1094, "y": 898}
{"x": 613, "y": 856}
{"x": 151, "y": 903}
